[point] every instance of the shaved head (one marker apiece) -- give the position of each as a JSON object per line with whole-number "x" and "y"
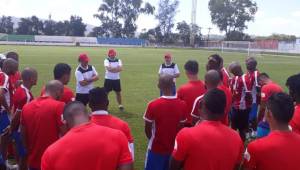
{"x": 251, "y": 63}
{"x": 54, "y": 88}
{"x": 10, "y": 66}
{"x": 235, "y": 68}
{"x": 212, "y": 79}
{"x": 28, "y": 73}
{"x": 165, "y": 81}
{"x": 75, "y": 113}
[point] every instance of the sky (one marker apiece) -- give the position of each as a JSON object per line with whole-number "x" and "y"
{"x": 273, "y": 16}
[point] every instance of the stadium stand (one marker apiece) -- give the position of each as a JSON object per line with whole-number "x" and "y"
{"x": 53, "y": 39}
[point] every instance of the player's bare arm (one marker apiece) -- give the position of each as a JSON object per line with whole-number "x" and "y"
{"x": 126, "y": 167}
{"x": 148, "y": 129}
{"x": 175, "y": 165}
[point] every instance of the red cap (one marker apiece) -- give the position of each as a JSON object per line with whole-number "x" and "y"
{"x": 112, "y": 53}
{"x": 83, "y": 57}
{"x": 168, "y": 55}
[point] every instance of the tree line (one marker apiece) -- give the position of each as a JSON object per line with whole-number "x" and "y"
{"x": 118, "y": 19}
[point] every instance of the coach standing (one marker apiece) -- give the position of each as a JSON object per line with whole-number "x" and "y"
{"x": 85, "y": 75}
{"x": 170, "y": 68}
{"x": 113, "y": 67}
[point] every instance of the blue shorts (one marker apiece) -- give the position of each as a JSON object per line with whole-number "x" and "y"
{"x": 263, "y": 129}
{"x": 16, "y": 136}
{"x": 253, "y": 112}
{"x": 4, "y": 121}
{"x": 156, "y": 161}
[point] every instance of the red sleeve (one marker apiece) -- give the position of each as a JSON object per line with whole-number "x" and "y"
{"x": 179, "y": 93}
{"x": 19, "y": 100}
{"x": 46, "y": 163}
{"x": 149, "y": 114}
{"x": 69, "y": 96}
{"x": 127, "y": 132}
{"x": 59, "y": 112}
{"x": 295, "y": 122}
{"x": 125, "y": 155}
{"x": 185, "y": 112}
{"x": 264, "y": 94}
{"x": 249, "y": 157}
{"x": 196, "y": 108}
{"x": 181, "y": 146}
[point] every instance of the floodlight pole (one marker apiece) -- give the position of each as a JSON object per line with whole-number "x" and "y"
{"x": 193, "y": 23}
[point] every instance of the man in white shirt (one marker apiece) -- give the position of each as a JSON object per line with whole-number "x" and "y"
{"x": 169, "y": 68}
{"x": 113, "y": 67}
{"x": 85, "y": 75}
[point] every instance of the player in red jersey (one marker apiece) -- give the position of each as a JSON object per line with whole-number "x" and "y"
{"x": 87, "y": 146}
{"x": 213, "y": 80}
{"x": 280, "y": 149}
{"x": 215, "y": 62}
{"x": 242, "y": 99}
{"x": 15, "y": 80}
{"x": 253, "y": 74}
{"x": 164, "y": 117}
{"x": 41, "y": 123}
{"x": 9, "y": 67}
{"x": 293, "y": 84}
{"x": 268, "y": 88}
{"x": 191, "y": 90}
{"x": 21, "y": 97}
{"x": 62, "y": 73}
{"x": 210, "y": 145}
{"x": 98, "y": 102}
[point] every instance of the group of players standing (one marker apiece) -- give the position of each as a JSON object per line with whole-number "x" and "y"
{"x": 213, "y": 110}
{"x": 53, "y": 132}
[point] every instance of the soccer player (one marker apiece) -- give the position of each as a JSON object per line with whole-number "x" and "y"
{"x": 215, "y": 62}
{"x": 15, "y": 80}
{"x": 253, "y": 73}
{"x": 210, "y": 144}
{"x": 10, "y": 67}
{"x": 242, "y": 99}
{"x": 21, "y": 97}
{"x": 280, "y": 149}
{"x": 85, "y": 75}
{"x": 113, "y": 67}
{"x": 191, "y": 90}
{"x": 164, "y": 117}
{"x": 293, "y": 84}
{"x": 170, "y": 68}
{"x": 87, "y": 146}
{"x": 268, "y": 87}
{"x": 41, "y": 123}
{"x": 62, "y": 73}
{"x": 98, "y": 103}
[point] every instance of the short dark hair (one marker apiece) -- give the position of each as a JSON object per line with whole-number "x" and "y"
{"x": 12, "y": 55}
{"x": 263, "y": 75}
{"x": 192, "y": 67}
{"x": 282, "y": 107}
{"x": 293, "y": 83}
{"x": 98, "y": 96}
{"x": 60, "y": 70}
{"x": 73, "y": 108}
{"x": 217, "y": 58}
{"x": 215, "y": 102}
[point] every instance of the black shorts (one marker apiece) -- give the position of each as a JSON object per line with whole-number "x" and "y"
{"x": 114, "y": 85}
{"x": 240, "y": 119}
{"x": 83, "y": 98}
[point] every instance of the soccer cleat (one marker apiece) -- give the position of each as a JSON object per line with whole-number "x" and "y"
{"x": 121, "y": 107}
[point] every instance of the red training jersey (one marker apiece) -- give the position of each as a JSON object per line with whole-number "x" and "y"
{"x": 210, "y": 145}
{"x": 268, "y": 90}
{"x": 41, "y": 120}
{"x": 295, "y": 122}
{"x": 13, "y": 82}
{"x": 188, "y": 93}
{"x": 277, "y": 151}
{"x": 82, "y": 149}
{"x": 166, "y": 113}
{"x": 228, "y": 95}
{"x": 226, "y": 77}
{"x": 102, "y": 118}
{"x": 254, "y": 86}
{"x": 21, "y": 97}
{"x": 67, "y": 97}
{"x": 241, "y": 92}
{"x": 4, "y": 84}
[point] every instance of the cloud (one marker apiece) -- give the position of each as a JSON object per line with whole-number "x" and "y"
{"x": 296, "y": 13}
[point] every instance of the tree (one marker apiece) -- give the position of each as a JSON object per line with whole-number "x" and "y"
{"x": 49, "y": 27}
{"x": 167, "y": 10}
{"x": 118, "y": 17}
{"x": 232, "y": 15}
{"x": 184, "y": 32}
{"x": 6, "y": 25}
{"x": 62, "y": 28}
{"x": 24, "y": 26}
{"x": 77, "y": 27}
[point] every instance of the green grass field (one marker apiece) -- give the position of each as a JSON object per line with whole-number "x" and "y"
{"x": 139, "y": 76}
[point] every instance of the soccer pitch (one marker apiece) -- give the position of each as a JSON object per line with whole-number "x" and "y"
{"x": 139, "y": 75}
